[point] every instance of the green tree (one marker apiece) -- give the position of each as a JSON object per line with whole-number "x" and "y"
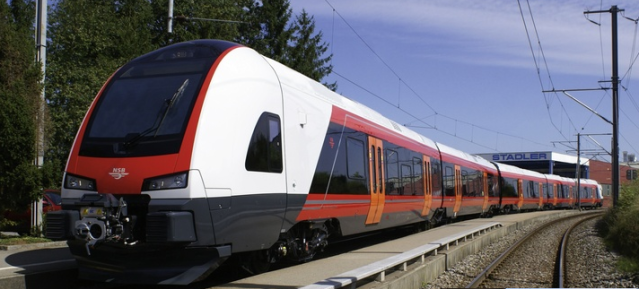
{"x": 268, "y": 29}
{"x": 90, "y": 40}
{"x": 295, "y": 45}
{"x": 19, "y": 102}
{"x": 307, "y": 52}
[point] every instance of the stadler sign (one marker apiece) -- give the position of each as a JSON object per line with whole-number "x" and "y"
{"x": 520, "y": 156}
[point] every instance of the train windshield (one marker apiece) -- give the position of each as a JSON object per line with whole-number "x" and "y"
{"x": 145, "y": 108}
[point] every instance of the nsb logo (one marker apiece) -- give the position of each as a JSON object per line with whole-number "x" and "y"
{"x": 118, "y": 173}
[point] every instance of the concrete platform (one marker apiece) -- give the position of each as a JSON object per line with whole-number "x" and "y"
{"x": 40, "y": 266}
{"x": 321, "y": 271}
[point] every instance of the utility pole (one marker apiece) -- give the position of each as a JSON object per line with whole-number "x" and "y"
{"x": 615, "y": 102}
{"x": 169, "y": 27}
{"x": 41, "y": 57}
{"x": 579, "y": 171}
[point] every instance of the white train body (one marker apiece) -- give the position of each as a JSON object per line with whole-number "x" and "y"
{"x": 204, "y": 150}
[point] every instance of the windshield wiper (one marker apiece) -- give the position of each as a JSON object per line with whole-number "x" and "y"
{"x": 174, "y": 99}
{"x": 133, "y": 138}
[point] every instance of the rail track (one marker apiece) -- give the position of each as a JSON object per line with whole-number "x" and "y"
{"x": 532, "y": 261}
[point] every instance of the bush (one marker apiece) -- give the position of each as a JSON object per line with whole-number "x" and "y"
{"x": 620, "y": 225}
{"x": 5, "y": 224}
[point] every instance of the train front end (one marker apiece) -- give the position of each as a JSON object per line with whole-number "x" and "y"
{"x": 134, "y": 210}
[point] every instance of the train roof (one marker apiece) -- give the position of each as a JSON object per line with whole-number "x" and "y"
{"x": 309, "y": 87}
{"x": 504, "y": 168}
{"x": 589, "y": 182}
{"x": 444, "y": 149}
{"x": 554, "y": 177}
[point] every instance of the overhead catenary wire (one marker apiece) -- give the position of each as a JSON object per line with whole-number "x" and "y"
{"x": 401, "y": 81}
{"x": 604, "y": 95}
{"x": 538, "y": 70}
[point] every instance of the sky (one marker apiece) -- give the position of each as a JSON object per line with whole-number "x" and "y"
{"x": 471, "y": 74}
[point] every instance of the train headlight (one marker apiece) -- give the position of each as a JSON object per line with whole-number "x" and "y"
{"x": 175, "y": 181}
{"x": 79, "y": 183}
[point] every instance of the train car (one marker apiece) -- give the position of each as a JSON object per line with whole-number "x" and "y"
{"x": 470, "y": 184}
{"x": 206, "y": 150}
{"x": 532, "y": 190}
{"x": 553, "y": 187}
{"x": 566, "y": 193}
{"x": 520, "y": 189}
{"x": 600, "y": 197}
{"x": 588, "y": 194}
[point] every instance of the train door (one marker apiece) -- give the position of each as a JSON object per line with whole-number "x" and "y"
{"x": 569, "y": 197}
{"x": 486, "y": 192}
{"x": 520, "y": 187}
{"x": 554, "y": 195}
{"x": 376, "y": 183}
{"x": 458, "y": 190}
{"x": 428, "y": 185}
{"x": 541, "y": 194}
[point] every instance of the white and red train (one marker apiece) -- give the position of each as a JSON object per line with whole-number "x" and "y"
{"x": 206, "y": 149}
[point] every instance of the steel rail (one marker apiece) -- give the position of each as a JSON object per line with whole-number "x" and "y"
{"x": 564, "y": 248}
{"x": 493, "y": 265}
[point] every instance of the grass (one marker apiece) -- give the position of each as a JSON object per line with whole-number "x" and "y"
{"x": 628, "y": 265}
{"x": 22, "y": 240}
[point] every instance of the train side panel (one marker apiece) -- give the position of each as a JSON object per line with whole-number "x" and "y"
{"x": 307, "y": 113}
{"x": 469, "y": 183}
{"x": 240, "y": 123}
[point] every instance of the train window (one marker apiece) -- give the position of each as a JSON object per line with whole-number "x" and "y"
{"x": 509, "y": 187}
{"x": 476, "y": 180}
{"x": 529, "y": 190}
{"x": 143, "y": 114}
{"x": 265, "y": 149}
{"x": 380, "y": 167}
{"x": 418, "y": 183}
{"x": 465, "y": 183}
{"x": 449, "y": 180}
{"x": 392, "y": 173}
{"x": 564, "y": 192}
{"x": 355, "y": 154}
{"x": 493, "y": 189}
{"x": 472, "y": 182}
{"x": 332, "y": 171}
{"x": 436, "y": 176}
{"x": 406, "y": 187}
{"x": 374, "y": 172}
